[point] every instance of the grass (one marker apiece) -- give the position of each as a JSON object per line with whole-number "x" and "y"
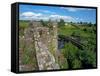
{"x": 22, "y": 26}
{"x": 87, "y": 36}
{"x": 28, "y": 55}
{"x": 68, "y": 30}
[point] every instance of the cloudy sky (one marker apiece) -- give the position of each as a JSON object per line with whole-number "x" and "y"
{"x": 34, "y": 12}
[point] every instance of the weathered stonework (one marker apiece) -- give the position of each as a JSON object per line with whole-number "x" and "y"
{"x": 45, "y": 44}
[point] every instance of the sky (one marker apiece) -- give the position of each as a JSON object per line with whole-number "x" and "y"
{"x": 36, "y": 12}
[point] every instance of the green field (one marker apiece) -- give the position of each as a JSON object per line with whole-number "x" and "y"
{"x": 76, "y": 57}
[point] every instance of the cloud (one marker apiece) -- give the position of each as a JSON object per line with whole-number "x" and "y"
{"x": 78, "y": 19}
{"x": 46, "y": 11}
{"x": 73, "y": 9}
{"x": 30, "y": 14}
{"x": 57, "y": 17}
{"x": 39, "y": 16}
{"x": 70, "y": 9}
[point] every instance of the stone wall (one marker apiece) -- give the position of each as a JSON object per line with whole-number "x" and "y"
{"x": 45, "y": 43}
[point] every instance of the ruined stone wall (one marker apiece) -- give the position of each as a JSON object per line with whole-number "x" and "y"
{"x": 54, "y": 39}
{"x": 44, "y": 41}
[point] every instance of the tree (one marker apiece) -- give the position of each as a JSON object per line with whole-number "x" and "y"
{"x": 61, "y": 23}
{"x": 90, "y": 24}
{"x": 81, "y": 22}
{"x": 43, "y": 23}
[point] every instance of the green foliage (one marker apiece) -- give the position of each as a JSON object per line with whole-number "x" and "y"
{"x": 76, "y": 64}
{"x": 88, "y": 58}
{"x": 75, "y": 34}
{"x": 28, "y": 56}
{"x": 90, "y": 24}
{"x": 70, "y": 53}
{"x": 62, "y": 62}
{"x": 64, "y": 65}
{"x": 22, "y": 26}
{"x": 72, "y": 57}
{"x": 61, "y": 23}
{"x": 44, "y": 23}
{"x": 69, "y": 50}
{"x": 51, "y": 48}
{"x": 77, "y": 58}
{"x": 84, "y": 29}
